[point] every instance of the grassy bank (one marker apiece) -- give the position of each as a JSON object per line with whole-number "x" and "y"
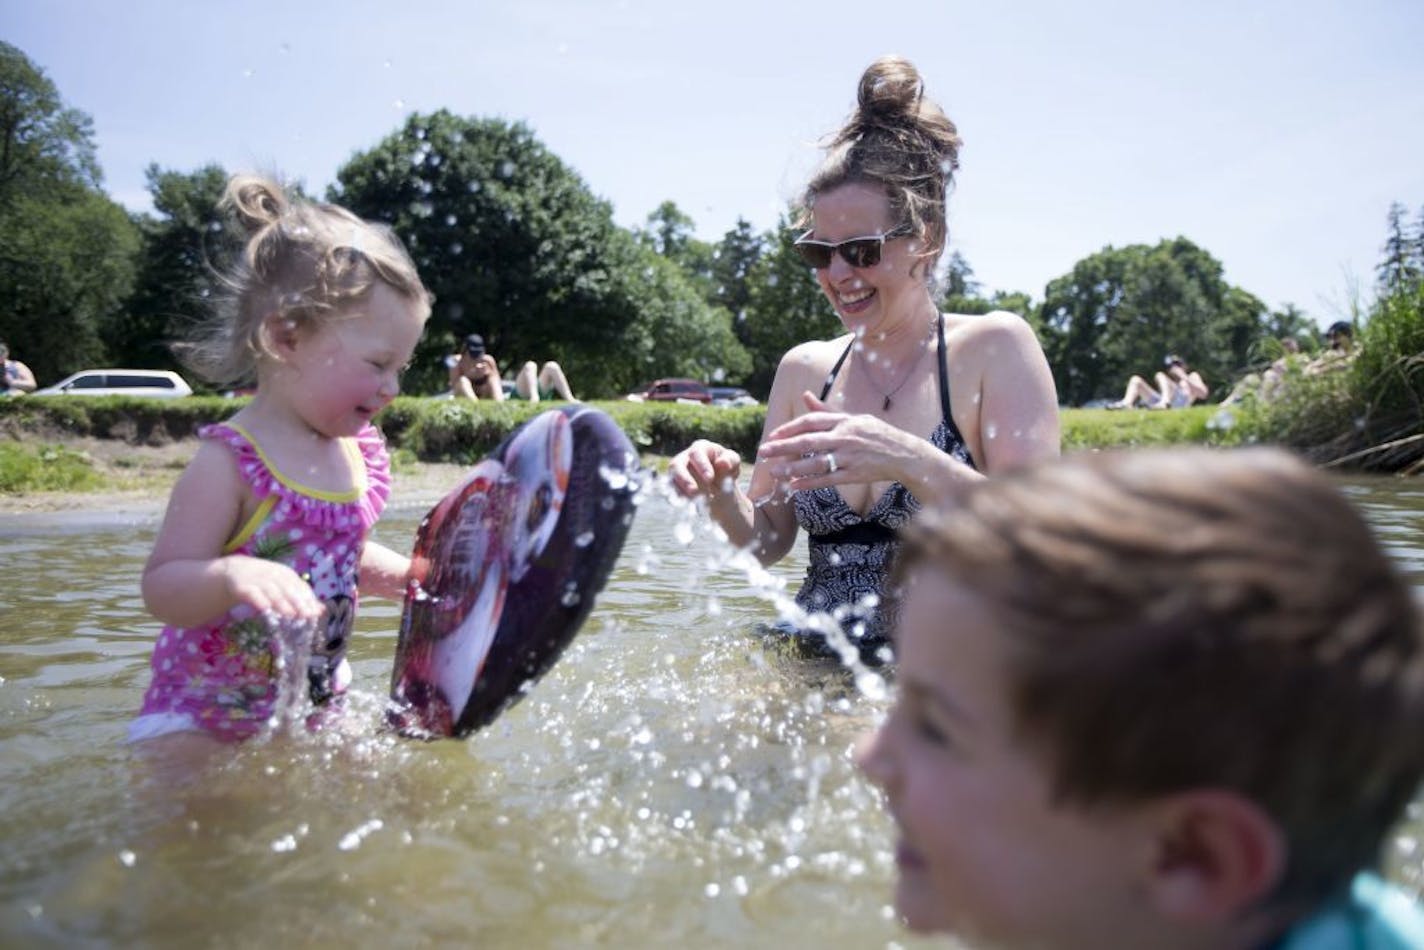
{"x": 35, "y": 434}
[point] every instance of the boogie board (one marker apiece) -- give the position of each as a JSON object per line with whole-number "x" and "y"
{"x": 506, "y": 567}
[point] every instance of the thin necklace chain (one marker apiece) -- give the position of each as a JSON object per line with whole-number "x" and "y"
{"x": 889, "y": 396}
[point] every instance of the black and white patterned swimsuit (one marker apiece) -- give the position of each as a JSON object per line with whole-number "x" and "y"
{"x": 850, "y": 555}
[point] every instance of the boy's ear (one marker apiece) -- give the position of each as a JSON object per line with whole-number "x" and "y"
{"x": 1217, "y": 855}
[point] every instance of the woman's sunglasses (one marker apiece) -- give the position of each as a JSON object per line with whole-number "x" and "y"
{"x": 857, "y": 252}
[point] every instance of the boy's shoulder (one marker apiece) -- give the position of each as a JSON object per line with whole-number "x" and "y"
{"x": 1376, "y": 916}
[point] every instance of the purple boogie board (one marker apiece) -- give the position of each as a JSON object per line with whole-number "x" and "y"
{"x": 506, "y": 567}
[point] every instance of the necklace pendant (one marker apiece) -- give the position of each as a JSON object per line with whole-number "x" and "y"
{"x": 886, "y": 407}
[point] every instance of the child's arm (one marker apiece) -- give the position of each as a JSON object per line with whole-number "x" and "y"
{"x": 188, "y": 580}
{"x": 383, "y": 571}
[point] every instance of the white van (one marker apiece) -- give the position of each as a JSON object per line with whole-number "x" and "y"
{"x": 119, "y": 382}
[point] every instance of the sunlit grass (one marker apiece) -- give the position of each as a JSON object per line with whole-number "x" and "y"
{"x": 44, "y": 467}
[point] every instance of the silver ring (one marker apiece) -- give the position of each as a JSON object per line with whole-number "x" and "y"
{"x": 831, "y": 463}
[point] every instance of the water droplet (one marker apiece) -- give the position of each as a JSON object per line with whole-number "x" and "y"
{"x": 712, "y": 890}
{"x": 571, "y": 597}
{"x": 473, "y": 187}
{"x": 127, "y": 858}
{"x": 506, "y": 169}
{"x": 352, "y": 840}
{"x": 584, "y": 539}
{"x": 450, "y": 220}
{"x": 285, "y": 48}
{"x": 682, "y": 533}
{"x": 991, "y": 431}
{"x": 399, "y": 104}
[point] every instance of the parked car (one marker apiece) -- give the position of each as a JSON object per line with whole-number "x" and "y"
{"x": 731, "y": 396}
{"x": 675, "y": 390}
{"x": 119, "y": 382}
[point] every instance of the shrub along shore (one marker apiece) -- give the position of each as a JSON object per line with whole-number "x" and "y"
{"x": 34, "y": 431}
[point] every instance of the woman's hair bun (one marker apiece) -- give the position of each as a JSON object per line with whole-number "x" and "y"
{"x": 890, "y": 92}
{"x": 891, "y": 108}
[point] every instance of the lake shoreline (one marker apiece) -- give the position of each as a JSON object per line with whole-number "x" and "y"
{"x": 135, "y": 480}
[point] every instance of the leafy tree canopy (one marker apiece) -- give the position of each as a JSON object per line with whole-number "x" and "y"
{"x": 515, "y": 247}
{"x": 43, "y": 142}
{"x": 186, "y": 248}
{"x": 66, "y": 250}
{"x": 786, "y": 306}
{"x": 1121, "y": 310}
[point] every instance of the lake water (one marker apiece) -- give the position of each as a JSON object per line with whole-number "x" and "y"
{"x": 669, "y": 783}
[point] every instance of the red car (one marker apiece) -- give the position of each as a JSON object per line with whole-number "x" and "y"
{"x": 678, "y": 390}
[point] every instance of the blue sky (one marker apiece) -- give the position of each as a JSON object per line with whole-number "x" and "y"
{"x": 1274, "y": 134}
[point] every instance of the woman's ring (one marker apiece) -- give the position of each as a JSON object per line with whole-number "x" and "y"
{"x": 831, "y": 463}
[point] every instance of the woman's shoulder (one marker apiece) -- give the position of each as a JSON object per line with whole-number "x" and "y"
{"x": 974, "y": 326}
{"x": 988, "y": 334}
{"x": 815, "y": 355}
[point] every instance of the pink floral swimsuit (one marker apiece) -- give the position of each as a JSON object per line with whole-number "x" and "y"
{"x": 222, "y": 678}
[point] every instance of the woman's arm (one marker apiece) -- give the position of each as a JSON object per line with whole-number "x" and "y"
{"x": 762, "y": 517}
{"x": 1016, "y": 414}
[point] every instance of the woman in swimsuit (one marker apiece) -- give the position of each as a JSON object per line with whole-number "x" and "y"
{"x": 908, "y": 404}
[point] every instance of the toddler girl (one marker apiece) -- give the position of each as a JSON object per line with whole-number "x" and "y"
{"x": 265, "y": 532}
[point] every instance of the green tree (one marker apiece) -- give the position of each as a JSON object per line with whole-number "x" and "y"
{"x": 515, "y": 246}
{"x": 43, "y": 143}
{"x": 669, "y": 233}
{"x": 1291, "y": 321}
{"x": 732, "y": 263}
{"x": 961, "y": 290}
{"x": 1121, "y": 310}
{"x": 677, "y": 333}
{"x": 66, "y": 250}
{"x": 786, "y": 307}
{"x": 1399, "y": 268}
{"x": 186, "y": 247}
{"x": 65, "y": 268}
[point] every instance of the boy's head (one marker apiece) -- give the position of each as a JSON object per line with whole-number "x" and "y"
{"x": 1166, "y": 686}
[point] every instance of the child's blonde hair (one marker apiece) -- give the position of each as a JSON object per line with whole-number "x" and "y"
{"x": 303, "y": 262}
{"x": 1193, "y": 618}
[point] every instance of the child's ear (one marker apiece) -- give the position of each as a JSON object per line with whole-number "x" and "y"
{"x": 1217, "y": 855}
{"x": 280, "y": 333}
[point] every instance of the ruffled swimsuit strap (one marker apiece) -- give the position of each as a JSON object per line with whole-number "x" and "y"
{"x": 377, "y": 463}
{"x": 368, "y": 460}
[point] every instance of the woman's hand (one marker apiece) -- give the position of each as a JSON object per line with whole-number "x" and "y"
{"x": 705, "y": 468}
{"x": 824, "y": 447}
